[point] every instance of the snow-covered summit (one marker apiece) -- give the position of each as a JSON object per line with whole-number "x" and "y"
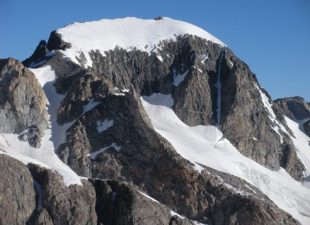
{"x": 129, "y": 32}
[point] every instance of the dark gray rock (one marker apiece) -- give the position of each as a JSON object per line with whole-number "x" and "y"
{"x": 22, "y": 101}
{"x": 73, "y": 205}
{"x": 121, "y": 203}
{"x": 56, "y": 43}
{"x": 245, "y": 120}
{"x": 306, "y": 126}
{"x": 295, "y": 108}
{"x": 17, "y": 193}
{"x": 38, "y": 55}
{"x": 32, "y": 136}
{"x": 41, "y": 217}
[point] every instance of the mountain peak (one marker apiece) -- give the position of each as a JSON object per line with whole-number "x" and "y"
{"x": 126, "y": 33}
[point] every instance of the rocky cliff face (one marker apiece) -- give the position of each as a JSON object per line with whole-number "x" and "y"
{"x": 296, "y": 108}
{"x": 22, "y": 102}
{"x": 111, "y": 142}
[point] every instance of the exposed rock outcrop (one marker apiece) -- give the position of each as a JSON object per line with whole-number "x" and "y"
{"x": 295, "y": 108}
{"x": 59, "y": 204}
{"x": 38, "y": 55}
{"x": 17, "y": 193}
{"x": 22, "y": 102}
{"x": 121, "y": 203}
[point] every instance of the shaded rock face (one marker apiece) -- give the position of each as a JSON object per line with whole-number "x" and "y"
{"x": 295, "y": 108}
{"x": 306, "y": 126}
{"x": 22, "y": 102}
{"x": 38, "y": 54}
{"x": 246, "y": 122}
{"x": 120, "y": 203}
{"x": 58, "y": 204}
{"x": 17, "y": 193}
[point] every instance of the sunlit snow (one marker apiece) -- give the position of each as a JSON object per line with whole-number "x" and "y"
{"x": 126, "y": 33}
{"x": 205, "y": 145}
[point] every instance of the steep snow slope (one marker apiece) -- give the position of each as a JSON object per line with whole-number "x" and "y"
{"x": 126, "y": 33}
{"x": 205, "y": 145}
{"x": 55, "y": 135}
{"x": 302, "y": 144}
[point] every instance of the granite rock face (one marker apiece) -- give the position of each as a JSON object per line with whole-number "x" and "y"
{"x": 22, "y": 102}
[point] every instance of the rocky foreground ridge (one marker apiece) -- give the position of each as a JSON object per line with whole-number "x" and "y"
{"x": 111, "y": 143}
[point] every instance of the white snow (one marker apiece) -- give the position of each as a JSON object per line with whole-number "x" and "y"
{"x": 90, "y": 105}
{"x": 206, "y": 145}
{"x": 178, "y": 78}
{"x": 125, "y": 90}
{"x": 126, "y": 33}
{"x": 160, "y": 58}
{"x": 118, "y": 92}
{"x": 93, "y": 155}
{"x": 104, "y": 125}
{"x": 53, "y": 136}
{"x": 204, "y": 57}
{"x": 173, "y": 213}
{"x": 149, "y": 197}
{"x": 276, "y": 125}
{"x": 302, "y": 144}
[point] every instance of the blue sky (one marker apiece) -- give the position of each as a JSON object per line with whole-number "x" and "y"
{"x": 271, "y": 36}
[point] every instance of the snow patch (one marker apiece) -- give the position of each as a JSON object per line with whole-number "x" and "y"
{"x": 178, "y": 78}
{"x": 301, "y": 142}
{"x": 160, "y": 58}
{"x": 94, "y": 155}
{"x": 149, "y": 197}
{"x": 104, "y": 125}
{"x": 127, "y": 33}
{"x": 204, "y": 57}
{"x": 173, "y": 213}
{"x": 276, "y": 125}
{"x": 199, "y": 147}
{"x": 90, "y": 105}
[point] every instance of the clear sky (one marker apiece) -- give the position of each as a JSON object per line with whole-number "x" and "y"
{"x": 271, "y": 36}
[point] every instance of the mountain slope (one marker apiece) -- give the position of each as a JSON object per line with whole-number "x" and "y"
{"x": 173, "y": 112}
